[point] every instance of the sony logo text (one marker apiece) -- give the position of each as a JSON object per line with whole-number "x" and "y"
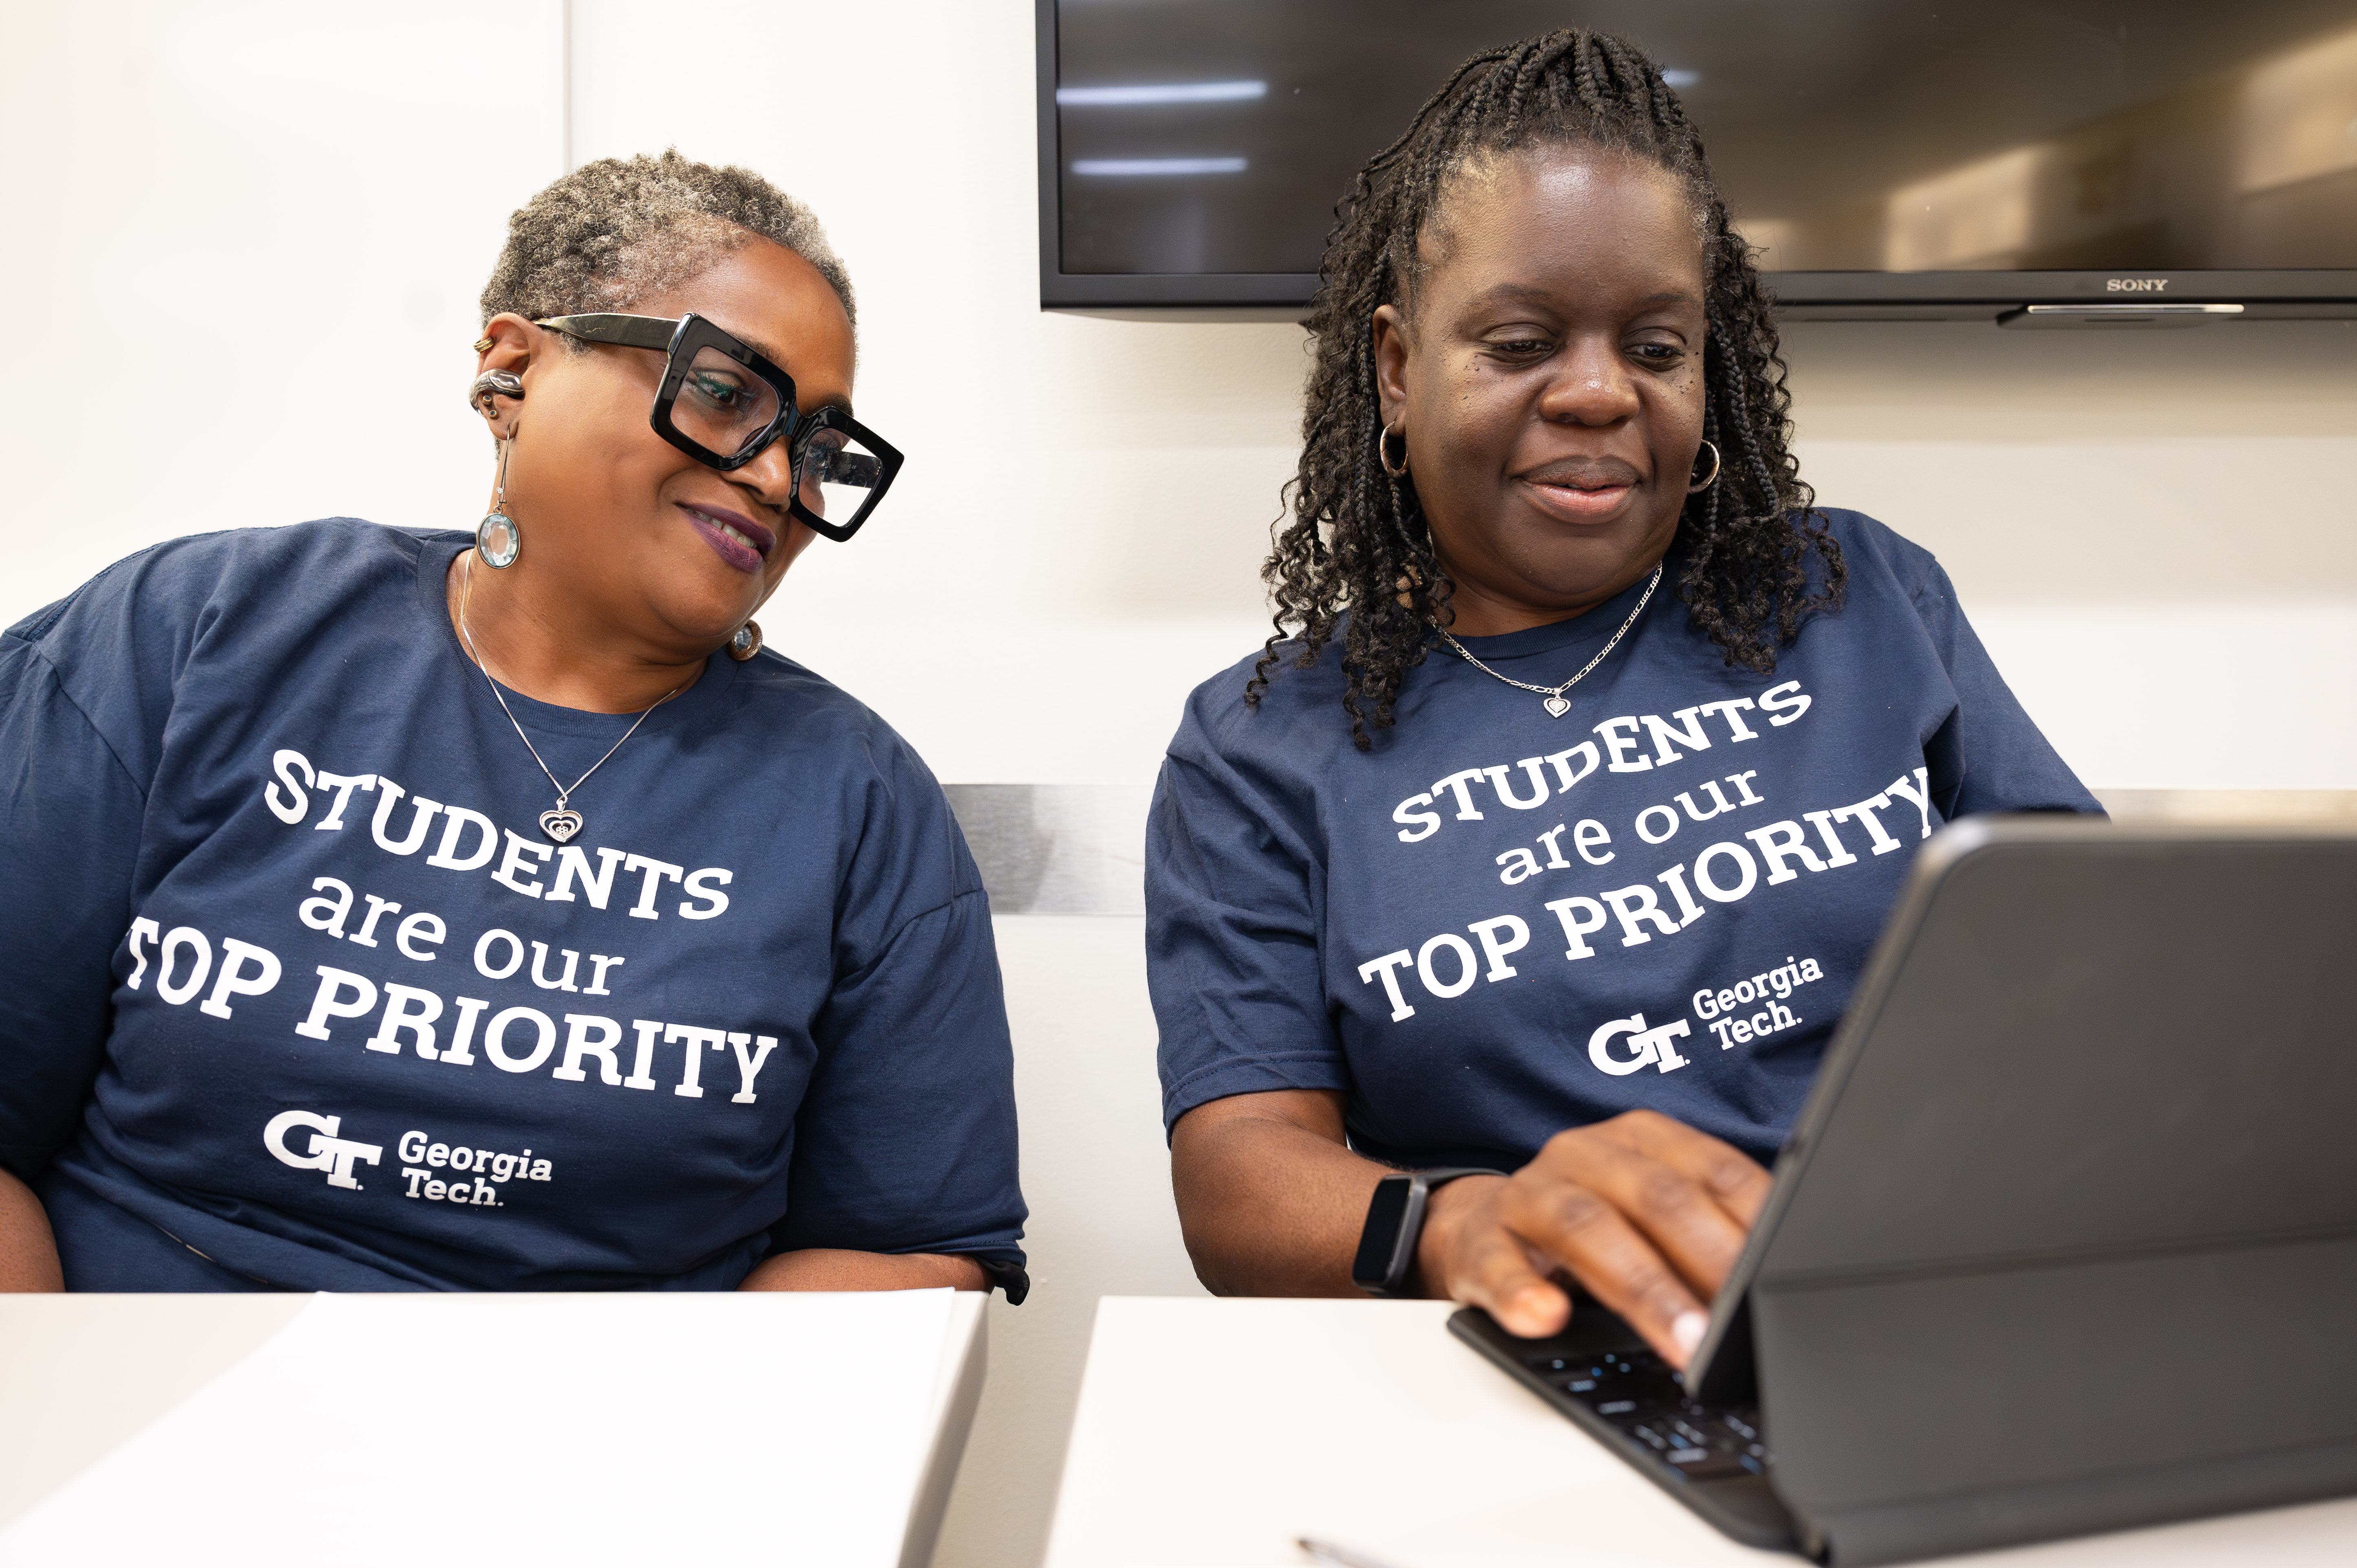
{"x": 2135, "y": 285}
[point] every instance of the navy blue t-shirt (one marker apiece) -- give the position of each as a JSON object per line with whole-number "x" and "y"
{"x": 296, "y": 983}
{"x": 1497, "y": 924}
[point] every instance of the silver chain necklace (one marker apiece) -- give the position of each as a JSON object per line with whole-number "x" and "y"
{"x": 1556, "y": 704}
{"x": 563, "y": 823}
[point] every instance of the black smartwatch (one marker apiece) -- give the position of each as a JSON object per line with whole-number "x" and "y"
{"x": 1396, "y": 1224}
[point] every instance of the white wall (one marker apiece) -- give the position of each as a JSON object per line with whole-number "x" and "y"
{"x": 244, "y": 245}
{"x": 274, "y": 220}
{"x": 277, "y": 219}
{"x": 2154, "y": 532}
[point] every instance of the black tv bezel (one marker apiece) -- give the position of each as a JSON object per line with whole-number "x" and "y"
{"x": 1858, "y": 295}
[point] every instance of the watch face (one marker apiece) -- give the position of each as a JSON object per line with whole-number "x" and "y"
{"x": 1381, "y": 1237}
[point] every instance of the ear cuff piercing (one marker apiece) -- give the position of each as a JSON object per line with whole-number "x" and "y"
{"x": 490, "y": 384}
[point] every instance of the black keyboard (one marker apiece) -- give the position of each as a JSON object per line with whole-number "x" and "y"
{"x": 1713, "y": 1458}
{"x": 1640, "y": 1395}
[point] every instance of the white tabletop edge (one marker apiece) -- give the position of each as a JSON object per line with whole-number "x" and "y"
{"x": 1210, "y": 1432}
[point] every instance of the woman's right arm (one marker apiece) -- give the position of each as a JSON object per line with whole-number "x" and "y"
{"x": 29, "y": 1253}
{"x": 1646, "y": 1213}
{"x": 1270, "y": 1197}
{"x": 69, "y": 836}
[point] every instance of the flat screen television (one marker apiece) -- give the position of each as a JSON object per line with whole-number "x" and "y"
{"x": 1890, "y": 157}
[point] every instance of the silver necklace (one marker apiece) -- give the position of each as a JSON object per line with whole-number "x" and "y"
{"x": 563, "y": 823}
{"x": 1556, "y": 703}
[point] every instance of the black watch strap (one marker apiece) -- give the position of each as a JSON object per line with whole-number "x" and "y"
{"x": 1386, "y": 1259}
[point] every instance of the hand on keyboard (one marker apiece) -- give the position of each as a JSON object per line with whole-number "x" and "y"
{"x": 1645, "y": 1212}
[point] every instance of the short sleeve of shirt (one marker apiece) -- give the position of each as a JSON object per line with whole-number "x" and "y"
{"x": 906, "y": 1141}
{"x": 1234, "y": 914}
{"x": 70, "y": 816}
{"x": 1989, "y": 755}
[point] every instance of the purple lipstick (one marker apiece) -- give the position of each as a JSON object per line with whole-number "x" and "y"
{"x": 734, "y": 537}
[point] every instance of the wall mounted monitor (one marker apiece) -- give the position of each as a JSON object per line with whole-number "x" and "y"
{"x": 1895, "y": 157}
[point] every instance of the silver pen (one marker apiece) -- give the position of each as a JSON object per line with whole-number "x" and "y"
{"x": 1327, "y": 1551}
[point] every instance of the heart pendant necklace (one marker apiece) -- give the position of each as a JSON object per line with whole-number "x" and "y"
{"x": 563, "y": 823}
{"x": 1552, "y": 698}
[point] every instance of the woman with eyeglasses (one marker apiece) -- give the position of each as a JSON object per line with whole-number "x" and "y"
{"x": 487, "y": 909}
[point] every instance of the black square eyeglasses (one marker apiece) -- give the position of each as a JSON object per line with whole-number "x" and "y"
{"x": 723, "y": 404}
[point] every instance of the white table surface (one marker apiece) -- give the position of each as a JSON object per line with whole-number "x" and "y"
{"x": 1210, "y": 1434}
{"x": 261, "y": 1430}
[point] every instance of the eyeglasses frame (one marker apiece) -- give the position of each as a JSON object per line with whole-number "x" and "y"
{"x": 679, "y": 341}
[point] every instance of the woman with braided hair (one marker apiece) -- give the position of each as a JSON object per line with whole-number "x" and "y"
{"x": 1543, "y": 841}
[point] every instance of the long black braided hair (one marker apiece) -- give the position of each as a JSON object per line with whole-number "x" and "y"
{"x": 1353, "y": 553}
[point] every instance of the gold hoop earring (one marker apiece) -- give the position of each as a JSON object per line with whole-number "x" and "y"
{"x": 1383, "y": 452}
{"x": 1712, "y": 478}
{"x": 746, "y": 642}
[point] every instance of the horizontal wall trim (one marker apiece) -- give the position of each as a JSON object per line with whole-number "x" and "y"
{"x": 1057, "y": 849}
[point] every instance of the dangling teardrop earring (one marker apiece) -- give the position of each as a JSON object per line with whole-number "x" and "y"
{"x": 746, "y": 642}
{"x": 497, "y": 539}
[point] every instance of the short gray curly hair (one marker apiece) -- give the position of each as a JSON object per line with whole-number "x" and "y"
{"x": 615, "y": 230}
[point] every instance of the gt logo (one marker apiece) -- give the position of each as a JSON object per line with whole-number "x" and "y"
{"x": 1650, "y": 1045}
{"x": 2135, "y": 286}
{"x": 325, "y": 1152}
